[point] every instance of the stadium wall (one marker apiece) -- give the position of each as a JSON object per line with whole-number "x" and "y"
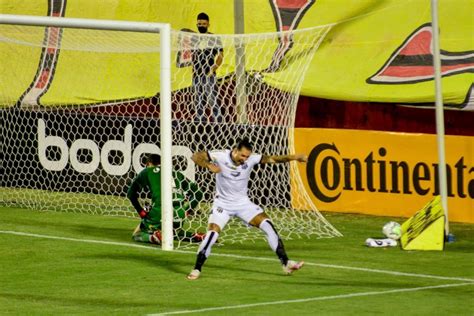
{"x": 324, "y": 113}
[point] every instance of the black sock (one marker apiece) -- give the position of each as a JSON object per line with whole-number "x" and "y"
{"x": 205, "y": 248}
{"x": 281, "y": 253}
{"x": 200, "y": 259}
{"x": 274, "y": 240}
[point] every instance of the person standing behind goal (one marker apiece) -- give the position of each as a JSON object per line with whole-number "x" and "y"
{"x": 206, "y": 58}
{"x": 232, "y": 169}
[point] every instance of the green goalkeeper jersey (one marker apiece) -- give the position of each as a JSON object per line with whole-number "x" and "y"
{"x": 186, "y": 194}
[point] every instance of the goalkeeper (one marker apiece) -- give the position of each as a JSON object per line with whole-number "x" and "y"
{"x": 186, "y": 197}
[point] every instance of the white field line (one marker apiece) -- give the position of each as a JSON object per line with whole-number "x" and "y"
{"x": 331, "y": 266}
{"x": 313, "y": 299}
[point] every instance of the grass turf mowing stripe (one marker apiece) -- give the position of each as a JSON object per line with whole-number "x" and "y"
{"x": 313, "y": 299}
{"x": 134, "y": 245}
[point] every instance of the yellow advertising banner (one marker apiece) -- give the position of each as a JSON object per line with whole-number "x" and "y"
{"x": 384, "y": 173}
{"x": 375, "y": 50}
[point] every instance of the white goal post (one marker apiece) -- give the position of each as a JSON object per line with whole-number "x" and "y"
{"x": 165, "y": 90}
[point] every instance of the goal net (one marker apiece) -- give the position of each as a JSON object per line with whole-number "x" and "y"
{"x": 80, "y": 110}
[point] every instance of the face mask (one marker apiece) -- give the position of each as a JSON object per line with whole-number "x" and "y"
{"x": 202, "y": 29}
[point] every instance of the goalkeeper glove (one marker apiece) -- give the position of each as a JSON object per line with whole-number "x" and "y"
{"x": 144, "y": 212}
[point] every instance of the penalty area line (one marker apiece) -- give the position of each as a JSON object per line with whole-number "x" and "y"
{"x": 312, "y": 299}
{"x": 322, "y": 265}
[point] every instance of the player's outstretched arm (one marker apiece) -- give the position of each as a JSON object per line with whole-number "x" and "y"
{"x": 201, "y": 159}
{"x": 284, "y": 158}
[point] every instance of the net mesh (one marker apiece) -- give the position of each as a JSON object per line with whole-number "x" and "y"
{"x": 80, "y": 110}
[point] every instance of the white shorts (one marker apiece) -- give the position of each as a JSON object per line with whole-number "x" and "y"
{"x": 246, "y": 212}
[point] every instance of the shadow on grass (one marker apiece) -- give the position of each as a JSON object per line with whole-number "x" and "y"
{"x": 96, "y": 229}
{"x": 64, "y": 301}
{"x": 109, "y": 232}
{"x": 153, "y": 260}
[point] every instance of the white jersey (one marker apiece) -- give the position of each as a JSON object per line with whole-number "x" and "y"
{"x": 232, "y": 181}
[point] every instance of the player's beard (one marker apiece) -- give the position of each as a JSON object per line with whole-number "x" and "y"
{"x": 202, "y": 29}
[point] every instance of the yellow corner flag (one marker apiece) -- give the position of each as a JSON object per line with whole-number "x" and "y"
{"x": 425, "y": 229}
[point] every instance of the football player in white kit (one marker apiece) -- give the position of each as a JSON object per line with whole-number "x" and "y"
{"x": 232, "y": 169}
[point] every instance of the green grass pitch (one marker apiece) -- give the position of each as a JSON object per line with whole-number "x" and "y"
{"x": 62, "y": 263}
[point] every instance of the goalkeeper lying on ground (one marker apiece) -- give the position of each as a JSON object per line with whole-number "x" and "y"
{"x": 186, "y": 197}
